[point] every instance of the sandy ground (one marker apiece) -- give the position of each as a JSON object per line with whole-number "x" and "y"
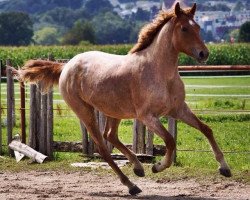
{"x": 91, "y": 185}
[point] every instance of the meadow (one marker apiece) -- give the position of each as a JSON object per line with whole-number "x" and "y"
{"x": 228, "y": 116}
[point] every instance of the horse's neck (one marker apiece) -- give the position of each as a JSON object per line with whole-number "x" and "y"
{"x": 162, "y": 52}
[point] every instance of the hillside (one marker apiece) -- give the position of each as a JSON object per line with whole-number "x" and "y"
{"x": 59, "y": 21}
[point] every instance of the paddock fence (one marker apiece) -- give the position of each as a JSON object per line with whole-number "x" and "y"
{"x": 41, "y": 116}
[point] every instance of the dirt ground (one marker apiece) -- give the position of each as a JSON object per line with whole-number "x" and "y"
{"x": 91, "y": 185}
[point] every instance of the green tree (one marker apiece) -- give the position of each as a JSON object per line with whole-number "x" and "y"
{"x": 95, "y": 6}
{"x": 235, "y": 34}
{"x": 46, "y": 36}
{"x": 239, "y": 6}
{"x": 244, "y": 35}
{"x": 81, "y": 31}
{"x": 60, "y": 16}
{"x": 16, "y": 28}
{"x": 110, "y": 28}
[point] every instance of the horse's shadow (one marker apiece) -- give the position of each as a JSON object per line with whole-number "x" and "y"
{"x": 150, "y": 197}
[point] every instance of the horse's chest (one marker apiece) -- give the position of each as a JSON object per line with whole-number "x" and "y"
{"x": 176, "y": 94}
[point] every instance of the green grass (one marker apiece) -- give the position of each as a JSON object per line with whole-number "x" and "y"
{"x": 231, "y": 130}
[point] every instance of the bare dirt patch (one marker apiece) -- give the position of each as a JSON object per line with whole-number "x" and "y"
{"x": 91, "y": 185}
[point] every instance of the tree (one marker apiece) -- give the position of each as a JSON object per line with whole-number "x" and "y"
{"x": 207, "y": 36}
{"x": 239, "y": 6}
{"x": 95, "y": 6}
{"x": 15, "y": 28}
{"x": 235, "y": 34}
{"x": 110, "y": 28}
{"x": 81, "y": 31}
{"x": 65, "y": 17}
{"x": 142, "y": 15}
{"x": 244, "y": 35}
{"x": 46, "y": 36}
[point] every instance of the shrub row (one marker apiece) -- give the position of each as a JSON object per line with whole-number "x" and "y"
{"x": 220, "y": 54}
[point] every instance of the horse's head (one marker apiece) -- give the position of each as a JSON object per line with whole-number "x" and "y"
{"x": 186, "y": 36}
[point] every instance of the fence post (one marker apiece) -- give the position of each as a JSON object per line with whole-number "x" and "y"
{"x": 84, "y": 139}
{"x": 138, "y": 137}
{"x": 172, "y": 129}
{"x": 150, "y": 143}
{"x": 87, "y": 142}
{"x": 22, "y": 110}
{"x": 1, "y": 142}
{"x": 43, "y": 125}
{"x": 8, "y": 64}
{"x": 10, "y": 98}
{"x": 50, "y": 125}
{"x": 102, "y": 123}
{"x": 34, "y": 117}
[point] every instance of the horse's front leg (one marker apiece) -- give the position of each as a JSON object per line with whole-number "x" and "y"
{"x": 154, "y": 124}
{"x": 187, "y": 116}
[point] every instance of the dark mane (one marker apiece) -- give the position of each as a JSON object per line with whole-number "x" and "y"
{"x": 149, "y": 31}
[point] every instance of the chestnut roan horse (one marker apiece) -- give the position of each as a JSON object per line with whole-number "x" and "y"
{"x": 144, "y": 84}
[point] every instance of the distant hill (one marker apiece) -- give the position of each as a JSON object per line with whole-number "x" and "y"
{"x": 39, "y": 6}
{"x": 114, "y": 21}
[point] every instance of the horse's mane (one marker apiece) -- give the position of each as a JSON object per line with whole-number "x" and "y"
{"x": 149, "y": 31}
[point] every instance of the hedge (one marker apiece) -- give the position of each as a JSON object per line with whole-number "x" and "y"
{"x": 220, "y": 54}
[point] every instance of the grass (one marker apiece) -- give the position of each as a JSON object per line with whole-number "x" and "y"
{"x": 230, "y": 130}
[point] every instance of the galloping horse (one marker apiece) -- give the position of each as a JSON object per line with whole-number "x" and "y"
{"x": 144, "y": 84}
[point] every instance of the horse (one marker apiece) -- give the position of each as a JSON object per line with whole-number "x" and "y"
{"x": 144, "y": 85}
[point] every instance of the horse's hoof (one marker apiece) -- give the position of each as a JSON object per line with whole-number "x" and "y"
{"x": 134, "y": 190}
{"x": 154, "y": 169}
{"x": 225, "y": 172}
{"x": 139, "y": 172}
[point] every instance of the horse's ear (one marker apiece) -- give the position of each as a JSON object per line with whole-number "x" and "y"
{"x": 193, "y": 9}
{"x": 177, "y": 9}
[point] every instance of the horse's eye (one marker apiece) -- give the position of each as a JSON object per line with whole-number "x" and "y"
{"x": 184, "y": 29}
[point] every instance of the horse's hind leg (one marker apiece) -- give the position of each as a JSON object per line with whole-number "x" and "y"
{"x": 187, "y": 116}
{"x": 110, "y": 134}
{"x": 86, "y": 114}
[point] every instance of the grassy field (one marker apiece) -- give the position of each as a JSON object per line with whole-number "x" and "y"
{"x": 228, "y": 115}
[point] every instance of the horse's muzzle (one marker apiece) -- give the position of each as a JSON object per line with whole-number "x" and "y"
{"x": 202, "y": 56}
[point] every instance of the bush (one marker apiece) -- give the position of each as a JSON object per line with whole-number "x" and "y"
{"x": 223, "y": 54}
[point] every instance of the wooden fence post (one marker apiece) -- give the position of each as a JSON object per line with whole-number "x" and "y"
{"x": 138, "y": 137}
{"x": 50, "y": 125}
{"x": 1, "y": 142}
{"x": 150, "y": 143}
{"x": 8, "y": 64}
{"x": 10, "y": 99}
{"x": 102, "y": 123}
{"x": 84, "y": 139}
{"x": 22, "y": 110}
{"x": 34, "y": 117}
{"x": 172, "y": 128}
{"x": 43, "y": 125}
{"x": 87, "y": 142}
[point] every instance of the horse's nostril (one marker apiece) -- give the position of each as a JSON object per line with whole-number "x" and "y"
{"x": 201, "y": 54}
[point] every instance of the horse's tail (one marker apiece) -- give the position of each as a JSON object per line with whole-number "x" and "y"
{"x": 46, "y": 73}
